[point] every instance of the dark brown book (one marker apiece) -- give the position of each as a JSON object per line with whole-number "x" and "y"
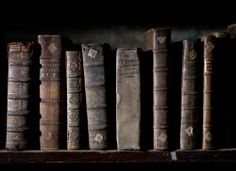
{"x": 158, "y": 40}
{"x": 208, "y": 90}
{"x": 74, "y": 98}
{"x": 20, "y": 60}
{"x": 51, "y": 91}
{"x": 96, "y": 102}
{"x": 128, "y": 99}
{"x": 190, "y": 94}
{"x": 215, "y": 50}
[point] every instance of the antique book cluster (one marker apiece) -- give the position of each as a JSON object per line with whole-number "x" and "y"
{"x": 92, "y": 98}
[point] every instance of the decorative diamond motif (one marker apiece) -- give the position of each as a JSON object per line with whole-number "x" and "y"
{"x": 52, "y": 48}
{"x": 92, "y": 53}
{"x": 161, "y": 39}
{"x": 189, "y": 130}
{"x": 163, "y": 137}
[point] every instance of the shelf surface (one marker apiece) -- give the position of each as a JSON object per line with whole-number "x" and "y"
{"x": 115, "y": 156}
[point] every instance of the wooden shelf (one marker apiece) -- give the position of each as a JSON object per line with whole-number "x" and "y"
{"x": 114, "y": 156}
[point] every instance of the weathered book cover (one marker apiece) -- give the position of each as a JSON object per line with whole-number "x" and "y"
{"x": 51, "y": 91}
{"x": 128, "y": 99}
{"x": 75, "y": 78}
{"x": 95, "y": 91}
{"x": 158, "y": 40}
{"x": 215, "y": 50}
{"x": 190, "y": 94}
{"x": 20, "y": 60}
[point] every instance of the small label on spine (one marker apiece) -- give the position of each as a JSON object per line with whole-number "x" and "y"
{"x": 208, "y": 137}
{"x": 92, "y": 53}
{"x": 162, "y": 137}
{"x": 161, "y": 39}
{"x": 99, "y": 138}
{"x": 189, "y": 131}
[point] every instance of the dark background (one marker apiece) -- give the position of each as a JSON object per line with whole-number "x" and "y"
{"x": 115, "y": 22}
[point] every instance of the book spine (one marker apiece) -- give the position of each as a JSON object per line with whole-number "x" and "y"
{"x": 74, "y": 98}
{"x": 20, "y": 59}
{"x": 50, "y": 91}
{"x": 94, "y": 74}
{"x": 128, "y": 100}
{"x": 189, "y": 95}
{"x": 161, "y": 42}
{"x": 209, "y": 44}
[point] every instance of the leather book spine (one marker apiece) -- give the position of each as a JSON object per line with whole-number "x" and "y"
{"x": 158, "y": 40}
{"x": 128, "y": 99}
{"x": 74, "y": 98}
{"x": 190, "y": 95}
{"x": 95, "y": 91}
{"x": 208, "y": 91}
{"x": 20, "y": 60}
{"x": 50, "y": 92}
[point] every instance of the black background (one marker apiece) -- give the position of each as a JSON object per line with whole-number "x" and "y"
{"x": 55, "y": 14}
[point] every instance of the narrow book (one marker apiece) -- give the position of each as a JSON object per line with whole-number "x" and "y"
{"x": 74, "y": 98}
{"x": 158, "y": 40}
{"x": 19, "y": 108}
{"x": 51, "y": 92}
{"x": 95, "y": 91}
{"x": 215, "y": 50}
{"x": 128, "y": 99}
{"x": 190, "y": 94}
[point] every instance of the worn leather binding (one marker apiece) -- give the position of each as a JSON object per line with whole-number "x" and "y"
{"x": 20, "y": 60}
{"x": 158, "y": 40}
{"x": 50, "y": 91}
{"x": 216, "y": 49}
{"x": 190, "y": 95}
{"x": 74, "y": 98}
{"x": 128, "y": 98}
{"x": 94, "y": 74}
{"x": 209, "y": 48}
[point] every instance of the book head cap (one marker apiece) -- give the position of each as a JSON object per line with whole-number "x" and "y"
{"x": 220, "y": 34}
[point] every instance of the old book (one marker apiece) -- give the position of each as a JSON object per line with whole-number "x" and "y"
{"x": 190, "y": 94}
{"x": 51, "y": 91}
{"x": 158, "y": 40}
{"x": 95, "y": 91}
{"x": 214, "y": 99}
{"x": 19, "y": 107}
{"x": 128, "y": 98}
{"x": 75, "y": 78}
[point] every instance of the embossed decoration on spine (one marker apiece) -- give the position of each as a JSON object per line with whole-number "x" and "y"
{"x": 50, "y": 91}
{"x": 94, "y": 74}
{"x": 74, "y": 98}
{"x": 20, "y": 60}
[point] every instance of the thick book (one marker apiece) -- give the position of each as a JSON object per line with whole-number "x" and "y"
{"x": 190, "y": 94}
{"x": 75, "y": 78}
{"x": 158, "y": 40}
{"x": 128, "y": 99}
{"x": 96, "y": 98}
{"x": 19, "y": 106}
{"x": 51, "y": 92}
